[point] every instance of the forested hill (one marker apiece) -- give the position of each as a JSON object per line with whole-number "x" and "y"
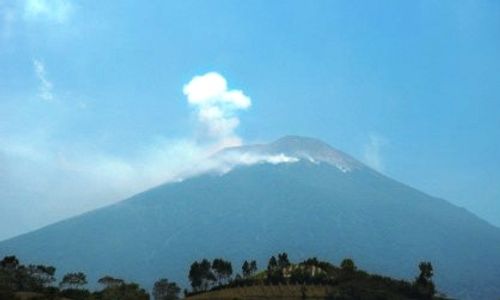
{"x": 217, "y": 280}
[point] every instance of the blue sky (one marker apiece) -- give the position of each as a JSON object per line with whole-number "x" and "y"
{"x": 93, "y": 106}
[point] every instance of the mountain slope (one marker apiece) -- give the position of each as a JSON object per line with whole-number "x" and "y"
{"x": 326, "y": 205}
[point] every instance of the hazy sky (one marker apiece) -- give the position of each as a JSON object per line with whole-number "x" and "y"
{"x": 100, "y": 99}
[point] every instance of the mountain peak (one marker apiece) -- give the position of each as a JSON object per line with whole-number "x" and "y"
{"x": 301, "y": 148}
{"x": 300, "y": 141}
{"x": 297, "y": 143}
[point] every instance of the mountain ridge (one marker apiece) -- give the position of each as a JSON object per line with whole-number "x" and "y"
{"x": 300, "y": 147}
{"x": 303, "y": 207}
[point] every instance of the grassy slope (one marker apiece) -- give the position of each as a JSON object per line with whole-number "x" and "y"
{"x": 31, "y": 295}
{"x": 265, "y": 292}
{"x": 292, "y": 292}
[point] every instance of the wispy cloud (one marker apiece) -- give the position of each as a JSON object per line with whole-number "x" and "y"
{"x": 216, "y": 107}
{"x": 13, "y": 14}
{"x": 45, "y": 86}
{"x": 372, "y": 155}
{"x": 58, "y": 11}
{"x": 7, "y": 19}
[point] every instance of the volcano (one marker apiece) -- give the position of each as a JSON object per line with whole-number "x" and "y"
{"x": 297, "y": 195}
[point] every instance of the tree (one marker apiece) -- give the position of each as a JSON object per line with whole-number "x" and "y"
{"x": 245, "y": 269}
{"x": 195, "y": 276}
{"x": 222, "y": 270}
{"x": 74, "y": 280}
{"x": 9, "y": 263}
{"x": 165, "y": 290}
{"x": 108, "y": 281}
{"x": 218, "y": 269}
{"x": 347, "y": 266}
{"x": 253, "y": 267}
{"x": 283, "y": 261}
{"x": 41, "y": 276}
{"x": 311, "y": 262}
{"x": 274, "y": 272}
{"x": 228, "y": 271}
{"x": 426, "y": 272}
{"x": 249, "y": 268}
{"x": 201, "y": 275}
{"x": 8, "y": 282}
{"x": 18, "y": 277}
{"x": 10, "y": 271}
{"x": 423, "y": 282}
{"x": 207, "y": 276}
{"x": 272, "y": 265}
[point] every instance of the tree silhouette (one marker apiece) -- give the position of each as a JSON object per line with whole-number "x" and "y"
{"x": 423, "y": 282}
{"x": 42, "y": 276}
{"x": 222, "y": 270}
{"x": 426, "y": 272}
{"x": 347, "y": 266}
{"x": 9, "y": 263}
{"x": 283, "y": 261}
{"x": 195, "y": 276}
{"x": 272, "y": 265}
{"x": 201, "y": 275}
{"x": 109, "y": 282}
{"x": 74, "y": 280}
{"x": 207, "y": 276}
{"x": 249, "y": 268}
{"x": 245, "y": 269}
{"x": 165, "y": 290}
{"x": 275, "y": 268}
{"x": 253, "y": 267}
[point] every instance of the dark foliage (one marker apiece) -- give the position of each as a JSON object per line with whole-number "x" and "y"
{"x": 124, "y": 291}
{"x": 346, "y": 281}
{"x": 38, "y": 279}
{"x": 222, "y": 270}
{"x": 248, "y": 268}
{"x": 165, "y": 290}
{"x": 201, "y": 275}
{"x": 73, "y": 280}
{"x": 16, "y": 277}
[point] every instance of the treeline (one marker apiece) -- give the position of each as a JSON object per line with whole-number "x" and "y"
{"x": 40, "y": 281}
{"x": 352, "y": 282}
{"x": 347, "y": 280}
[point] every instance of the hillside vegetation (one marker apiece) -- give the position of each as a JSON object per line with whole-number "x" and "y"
{"x": 310, "y": 279}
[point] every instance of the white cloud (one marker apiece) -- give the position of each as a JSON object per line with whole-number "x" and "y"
{"x": 45, "y": 86}
{"x": 216, "y": 107}
{"x": 372, "y": 152}
{"x": 57, "y": 11}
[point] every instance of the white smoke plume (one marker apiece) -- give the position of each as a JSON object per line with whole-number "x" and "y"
{"x": 216, "y": 107}
{"x": 56, "y": 178}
